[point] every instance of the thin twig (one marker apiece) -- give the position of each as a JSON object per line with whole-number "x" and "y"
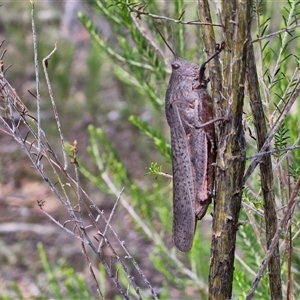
{"x": 286, "y": 29}
{"x": 287, "y": 149}
{"x": 91, "y": 270}
{"x": 45, "y": 64}
{"x": 1, "y": 43}
{"x": 147, "y": 37}
{"x": 118, "y": 258}
{"x": 158, "y": 241}
{"x": 37, "y": 78}
{"x": 287, "y": 152}
{"x": 109, "y": 219}
{"x": 62, "y": 226}
{"x": 140, "y": 12}
{"x": 164, "y": 174}
{"x": 128, "y": 255}
{"x": 113, "y": 250}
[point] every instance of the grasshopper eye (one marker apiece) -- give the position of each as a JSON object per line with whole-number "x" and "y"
{"x": 175, "y": 66}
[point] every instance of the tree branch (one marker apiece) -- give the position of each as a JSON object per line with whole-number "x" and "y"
{"x": 266, "y": 174}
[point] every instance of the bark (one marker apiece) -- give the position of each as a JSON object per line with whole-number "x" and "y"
{"x": 231, "y": 145}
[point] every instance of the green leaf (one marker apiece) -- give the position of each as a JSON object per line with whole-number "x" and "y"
{"x": 154, "y": 134}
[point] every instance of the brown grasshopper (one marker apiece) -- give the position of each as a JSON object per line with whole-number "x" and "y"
{"x": 189, "y": 112}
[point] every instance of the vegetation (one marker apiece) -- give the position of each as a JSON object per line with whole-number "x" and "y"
{"x": 255, "y": 204}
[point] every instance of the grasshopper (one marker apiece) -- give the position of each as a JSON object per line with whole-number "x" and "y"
{"x": 189, "y": 113}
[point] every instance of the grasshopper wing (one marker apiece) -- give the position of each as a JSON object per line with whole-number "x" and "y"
{"x": 183, "y": 186}
{"x": 198, "y": 144}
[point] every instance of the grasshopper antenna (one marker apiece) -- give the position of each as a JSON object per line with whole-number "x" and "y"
{"x": 172, "y": 50}
{"x": 204, "y": 81}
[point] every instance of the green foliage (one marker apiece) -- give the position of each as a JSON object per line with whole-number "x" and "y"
{"x": 113, "y": 176}
{"x": 200, "y": 246}
{"x": 251, "y": 200}
{"x": 142, "y": 65}
{"x": 95, "y": 72}
{"x": 295, "y": 172}
{"x": 53, "y": 281}
{"x": 281, "y": 138}
{"x": 280, "y": 67}
{"x": 17, "y": 291}
{"x": 61, "y": 282}
{"x": 154, "y": 134}
{"x": 136, "y": 63}
{"x": 154, "y": 169}
{"x": 250, "y": 255}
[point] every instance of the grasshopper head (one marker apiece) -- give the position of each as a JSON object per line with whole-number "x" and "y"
{"x": 181, "y": 67}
